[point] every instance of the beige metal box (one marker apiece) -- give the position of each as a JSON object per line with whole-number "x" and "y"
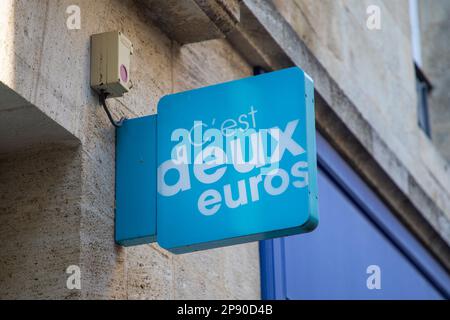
{"x": 110, "y": 63}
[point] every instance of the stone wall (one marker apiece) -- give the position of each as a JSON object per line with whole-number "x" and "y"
{"x": 40, "y": 193}
{"x": 48, "y": 65}
{"x": 435, "y": 44}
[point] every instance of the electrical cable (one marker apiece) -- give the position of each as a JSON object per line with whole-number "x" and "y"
{"x": 102, "y": 98}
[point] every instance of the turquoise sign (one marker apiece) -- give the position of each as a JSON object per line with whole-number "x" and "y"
{"x": 235, "y": 162}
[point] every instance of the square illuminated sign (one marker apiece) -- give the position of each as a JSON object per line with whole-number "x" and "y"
{"x": 236, "y": 162}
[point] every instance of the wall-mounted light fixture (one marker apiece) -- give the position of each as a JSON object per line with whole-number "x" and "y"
{"x": 110, "y": 67}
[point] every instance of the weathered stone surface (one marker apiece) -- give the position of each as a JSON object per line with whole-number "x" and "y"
{"x": 222, "y": 278}
{"x": 185, "y": 21}
{"x": 435, "y": 29}
{"x": 150, "y": 273}
{"x": 40, "y": 194}
{"x": 49, "y": 69}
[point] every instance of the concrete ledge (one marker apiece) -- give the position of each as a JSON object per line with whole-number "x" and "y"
{"x": 188, "y": 21}
{"x": 23, "y": 126}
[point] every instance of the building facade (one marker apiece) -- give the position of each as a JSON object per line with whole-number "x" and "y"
{"x": 367, "y": 60}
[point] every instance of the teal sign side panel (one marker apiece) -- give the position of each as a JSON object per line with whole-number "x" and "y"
{"x": 312, "y": 155}
{"x": 136, "y": 181}
{"x": 279, "y": 205}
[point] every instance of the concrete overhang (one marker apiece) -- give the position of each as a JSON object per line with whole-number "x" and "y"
{"x": 188, "y": 21}
{"x": 23, "y": 126}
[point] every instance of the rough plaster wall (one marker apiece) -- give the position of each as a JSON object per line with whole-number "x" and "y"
{"x": 51, "y": 70}
{"x": 39, "y": 222}
{"x": 375, "y": 69}
{"x": 435, "y": 38}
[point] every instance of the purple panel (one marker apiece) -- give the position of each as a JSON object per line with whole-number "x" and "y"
{"x": 356, "y": 230}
